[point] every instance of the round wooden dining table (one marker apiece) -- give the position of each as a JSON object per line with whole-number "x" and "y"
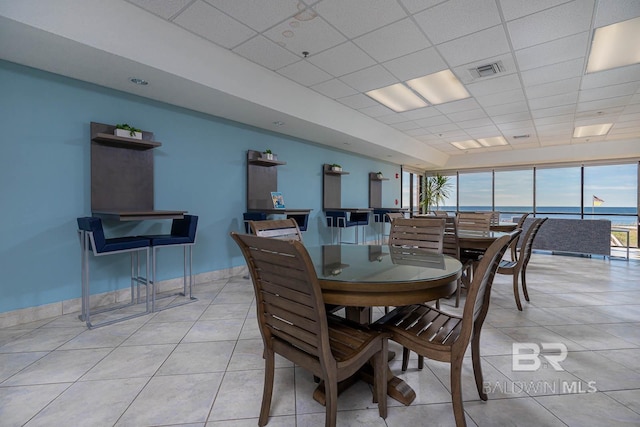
{"x": 363, "y": 276}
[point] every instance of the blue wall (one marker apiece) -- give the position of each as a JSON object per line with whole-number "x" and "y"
{"x": 200, "y": 167}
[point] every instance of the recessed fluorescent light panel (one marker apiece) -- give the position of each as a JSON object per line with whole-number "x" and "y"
{"x": 465, "y": 145}
{"x": 440, "y": 87}
{"x": 592, "y": 130}
{"x": 615, "y": 45}
{"x": 398, "y": 97}
{"x": 493, "y": 141}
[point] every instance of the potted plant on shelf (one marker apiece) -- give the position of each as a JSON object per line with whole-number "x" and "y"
{"x": 336, "y": 167}
{"x": 435, "y": 191}
{"x": 127, "y": 131}
{"x": 379, "y": 175}
{"x": 267, "y": 154}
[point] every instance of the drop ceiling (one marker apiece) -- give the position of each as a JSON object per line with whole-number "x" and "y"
{"x": 302, "y": 68}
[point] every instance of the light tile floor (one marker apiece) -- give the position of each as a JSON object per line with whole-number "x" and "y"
{"x": 200, "y": 364}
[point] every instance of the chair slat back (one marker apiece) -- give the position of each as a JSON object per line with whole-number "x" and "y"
{"x": 527, "y": 242}
{"x": 289, "y": 301}
{"x": 424, "y": 233}
{"x": 393, "y": 215}
{"x": 474, "y": 220}
{"x": 284, "y": 229}
{"x": 478, "y": 294}
{"x": 450, "y": 243}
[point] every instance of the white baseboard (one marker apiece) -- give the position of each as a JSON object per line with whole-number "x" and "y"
{"x": 42, "y": 312}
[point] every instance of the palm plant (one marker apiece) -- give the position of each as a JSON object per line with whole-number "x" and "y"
{"x": 435, "y": 190}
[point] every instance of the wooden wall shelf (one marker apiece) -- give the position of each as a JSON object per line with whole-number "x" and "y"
{"x": 266, "y": 162}
{"x": 330, "y": 172}
{"x": 123, "y": 142}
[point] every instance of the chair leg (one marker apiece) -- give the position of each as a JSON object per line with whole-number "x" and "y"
{"x": 405, "y": 358}
{"x": 269, "y": 364}
{"x": 420, "y": 362}
{"x": 380, "y": 371}
{"x": 477, "y": 367}
{"x": 516, "y": 293}
{"x": 458, "y": 290}
{"x": 331, "y": 399}
{"x": 456, "y": 392}
{"x": 524, "y": 283}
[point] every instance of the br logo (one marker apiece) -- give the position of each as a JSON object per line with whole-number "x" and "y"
{"x": 528, "y": 356}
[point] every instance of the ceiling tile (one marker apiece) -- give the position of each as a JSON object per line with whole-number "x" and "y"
{"x": 420, "y": 113}
{"x": 394, "y": 40}
{"x": 208, "y": 22}
{"x": 631, "y": 117}
{"x": 457, "y": 18}
{"x": 163, "y": 8}
{"x": 417, "y": 64}
{"x": 414, "y": 6}
{"x": 266, "y": 53}
{"x": 370, "y": 78}
{"x": 358, "y": 101}
{"x": 356, "y": 17}
{"x": 312, "y": 36}
{"x": 458, "y": 106}
{"x": 417, "y": 132}
{"x": 254, "y": 14}
{"x": 444, "y": 128}
{"x": 334, "y": 89}
{"x": 304, "y": 73}
{"x": 513, "y": 9}
{"x": 392, "y": 118}
{"x": 499, "y": 98}
{"x": 474, "y": 124}
{"x": 513, "y": 107}
{"x": 561, "y": 50}
{"x": 619, "y": 75}
{"x": 608, "y": 91}
{"x": 553, "y": 88}
{"x": 403, "y": 126}
{"x": 560, "y": 21}
{"x": 553, "y": 101}
{"x": 377, "y": 111}
{"x": 565, "y": 118}
{"x": 467, "y": 115}
{"x": 483, "y": 132}
{"x": 512, "y": 117}
{"x": 491, "y": 87}
{"x": 555, "y": 72}
{"x": 484, "y": 44}
{"x": 342, "y": 59}
{"x": 433, "y": 121}
{"x": 517, "y": 128}
{"x": 612, "y": 11}
{"x": 555, "y": 111}
{"x": 603, "y": 104}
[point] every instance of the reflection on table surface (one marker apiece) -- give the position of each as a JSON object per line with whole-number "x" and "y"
{"x": 376, "y": 263}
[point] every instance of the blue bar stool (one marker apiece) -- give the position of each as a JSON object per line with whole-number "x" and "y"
{"x": 252, "y": 216}
{"x": 338, "y": 219}
{"x": 92, "y": 239}
{"x": 183, "y": 233}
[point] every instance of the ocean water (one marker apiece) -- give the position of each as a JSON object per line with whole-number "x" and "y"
{"x": 627, "y": 216}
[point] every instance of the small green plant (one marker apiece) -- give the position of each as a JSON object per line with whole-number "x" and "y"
{"x": 131, "y": 129}
{"x": 335, "y": 165}
{"x": 267, "y": 151}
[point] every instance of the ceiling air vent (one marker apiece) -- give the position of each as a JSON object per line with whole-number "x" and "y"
{"x": 487, "y": 70}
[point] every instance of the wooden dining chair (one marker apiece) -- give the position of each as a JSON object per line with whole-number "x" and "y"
{"x": 424, "y": 233}
{"x": 451, "y": 247}
{"x": 285, "y": 229}
{"x": 478, "y": 221}
{"x": 514, "y": 245}
{"x": 519, "y": 267}
{"x": 294, "y": 324}
{"x": 445, "y": 337}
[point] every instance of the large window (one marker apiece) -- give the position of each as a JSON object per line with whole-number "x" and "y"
{"x": 475, "y": 191}
{"x": 513, "y": 192}
{"x": 558, "y": 192}
{"x": 411, "y": 191}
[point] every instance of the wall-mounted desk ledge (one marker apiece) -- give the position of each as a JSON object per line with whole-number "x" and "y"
{"x": 119, "y": 141}
{"x": 352, "y": 210}
{"x": 286, "y": 211}
{"x": 139, "y": 215}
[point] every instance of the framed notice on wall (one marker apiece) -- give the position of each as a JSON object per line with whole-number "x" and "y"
{"x": 278, "y": 200}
